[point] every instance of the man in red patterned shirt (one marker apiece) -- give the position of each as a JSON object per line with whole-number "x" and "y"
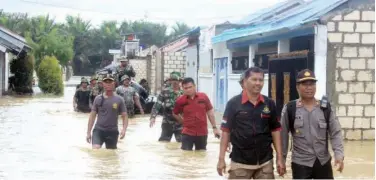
{"x": 195, "y": 107}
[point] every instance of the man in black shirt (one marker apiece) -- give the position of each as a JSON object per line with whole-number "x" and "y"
{"x": 81, "y": 97}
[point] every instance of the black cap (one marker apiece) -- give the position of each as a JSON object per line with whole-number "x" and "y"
{"x": 305, "y": 75}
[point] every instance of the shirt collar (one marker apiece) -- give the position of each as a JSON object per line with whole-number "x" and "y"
{"x": 245, "y": 98}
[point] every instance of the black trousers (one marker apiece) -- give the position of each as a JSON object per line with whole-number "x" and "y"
{"x": 187, "y": 142}
{"x": 318, "y": 171}
{"x": 168, "y": 130}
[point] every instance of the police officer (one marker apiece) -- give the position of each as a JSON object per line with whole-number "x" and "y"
{"x": 81, "y": 97}
{"x": 250, "y": 124}
{"x": 124, "y": 69}
{"x": 311, "y": 122}
{"x": 166, "y": 101}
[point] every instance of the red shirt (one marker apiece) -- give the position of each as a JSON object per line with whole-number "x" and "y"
{"x": 194, "y": 111}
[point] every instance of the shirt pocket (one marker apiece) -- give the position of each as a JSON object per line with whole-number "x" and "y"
{"x": 321, "y": 132}
{"x": 299, "y": 126}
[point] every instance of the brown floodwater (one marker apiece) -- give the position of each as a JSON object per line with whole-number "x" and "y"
{"x": 42, "y": 137}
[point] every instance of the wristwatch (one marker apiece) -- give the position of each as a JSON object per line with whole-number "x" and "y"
{"x": 214, "y": 127}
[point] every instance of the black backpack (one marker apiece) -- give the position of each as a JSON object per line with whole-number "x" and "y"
{"x": 324, "y": 106}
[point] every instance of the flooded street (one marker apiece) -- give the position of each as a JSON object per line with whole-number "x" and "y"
{"x": 43, "y": 138}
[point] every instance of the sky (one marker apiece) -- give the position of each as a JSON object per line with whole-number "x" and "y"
{"x": 193, "y": 12}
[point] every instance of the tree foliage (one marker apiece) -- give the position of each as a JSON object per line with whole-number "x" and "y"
{"x": 49, "y": 74}
{"x": 77, "y": 40}
{"x": 22, "y": 67}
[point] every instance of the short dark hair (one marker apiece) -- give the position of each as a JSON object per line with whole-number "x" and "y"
{"x": 143, "y": 81}
{"x": 254, "y": 69}
{"x": 187, "y": 80}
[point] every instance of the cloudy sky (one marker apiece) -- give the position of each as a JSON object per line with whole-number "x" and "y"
{"x": 192, "y": 12}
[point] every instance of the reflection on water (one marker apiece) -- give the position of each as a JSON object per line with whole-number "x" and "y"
{"x": 42, "y": 138}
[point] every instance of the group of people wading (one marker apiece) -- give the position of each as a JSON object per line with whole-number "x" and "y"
{"x": 249, "y": 127}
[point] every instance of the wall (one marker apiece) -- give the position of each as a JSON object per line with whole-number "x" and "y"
{"x": 2, "y": 72}
{"x": 351, "y": 61}
{"x": 173, "y": 62}
{"x": 206, "y": 85}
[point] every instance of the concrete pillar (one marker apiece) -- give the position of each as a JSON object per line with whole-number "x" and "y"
{"x": 229, "y": 62}
{"x": 284, "y": 46}
{"x": 320, "y": 64}
{"x": 252, "y": 52}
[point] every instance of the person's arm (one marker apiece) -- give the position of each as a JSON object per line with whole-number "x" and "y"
{"x": 210, "y": 112}
{"x": 226, "y": 125}
{"x": 157, "y": 106}
{"x": 93, "y": 114}
{"x": 275, "y": 127}
{"x": 124, "y": 116}
{"x": 336, "y": 137}
{"x": 285, "y": 133}
{"x": 178, "y": 109}
{"x": 136, "y": 99}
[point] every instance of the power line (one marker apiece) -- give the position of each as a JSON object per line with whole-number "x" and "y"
{"x": 122, "y": 14}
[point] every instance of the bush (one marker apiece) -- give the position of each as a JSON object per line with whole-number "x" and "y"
{"x": 49, "y": 75}
{"x": 22, "y": 68}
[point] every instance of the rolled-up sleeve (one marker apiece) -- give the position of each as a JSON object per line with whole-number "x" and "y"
{"x": 228, "y": 117}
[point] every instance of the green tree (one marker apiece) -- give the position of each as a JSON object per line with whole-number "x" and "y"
{"x": 50, "y": 76}
{"x": 22, "y": 67}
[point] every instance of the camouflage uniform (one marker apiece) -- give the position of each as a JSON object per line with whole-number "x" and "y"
{"x": 95, "y": 91}
{"x": 166, "y": 101}
{"x": 128, "y": 93}
{"x": 120, "y": 71}
{"x": 82, "y": 97}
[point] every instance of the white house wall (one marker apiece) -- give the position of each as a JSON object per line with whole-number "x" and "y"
{"x": 206, "y": 85}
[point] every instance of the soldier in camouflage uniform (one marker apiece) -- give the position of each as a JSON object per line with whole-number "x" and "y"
{"x": 95, "y": 91}
{"x": 93, "y": 82}
{"x": 124, "y": 69}
{"x": 81, "y": 97}
{"x": 166, "y": 101}
{"x": 130, "y": 96}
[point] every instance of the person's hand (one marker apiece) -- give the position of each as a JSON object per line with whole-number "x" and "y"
{"x": 216, "y": 133}
{"x": 229, "y": 147}
{"x": 281, "y": 167}
{"x": 221, "y": 167}
{"x": 339, "y": 164}
{"x": 152, "y": 122}
{"x": 122, "y": 134}
{"x": 88, "y": 138}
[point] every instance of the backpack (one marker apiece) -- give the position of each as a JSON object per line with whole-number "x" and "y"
{"x": 324, "y": 106}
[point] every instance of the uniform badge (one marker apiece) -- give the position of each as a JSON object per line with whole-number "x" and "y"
{"x": 307, "y": 74}
{"x": 115, "y": 106}
{"x": 297, "y": 131}
{"x": 266, "y": 110}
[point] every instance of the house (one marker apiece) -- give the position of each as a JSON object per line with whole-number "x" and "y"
{"x": 12, "y": 43}
{"x": 334, "y": 38}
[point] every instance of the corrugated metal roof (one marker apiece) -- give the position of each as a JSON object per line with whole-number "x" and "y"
{"x": 305, "y": 13}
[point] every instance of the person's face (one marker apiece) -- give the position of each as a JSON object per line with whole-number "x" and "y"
{"x": 100, "y": 84}
{"x": 189, "y": 89}
{"x": 126, "y": 82}
{"x": 175, "y": 83}
{"x": 306, "y": 89}
{"x": 124, "y": 63}
{"x": 254, "y": 83}
{"x": 93, "y": 82}
{"x": 84, "y": 85}
{"x": 108, "y": 85}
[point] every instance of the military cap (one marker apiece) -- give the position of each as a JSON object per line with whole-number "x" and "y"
{"x": 175, "y": 76}
{"x": 123, "y": 58}
{"x": 124, "y": 78}
{"x": 305, "y": 75}
{"x": 108, "y": 77}
{"x": 100, "y": 79}
{"x": 93, "y": 78}
{"x": 84, "y": 80}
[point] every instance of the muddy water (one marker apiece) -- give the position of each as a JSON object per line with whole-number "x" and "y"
{"x": 42, "y": 138}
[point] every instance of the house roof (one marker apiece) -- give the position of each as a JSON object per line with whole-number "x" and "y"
{"x": 12, "y": 41}
{"x": 176, "y": 45}
{"x": 293, "y": 18}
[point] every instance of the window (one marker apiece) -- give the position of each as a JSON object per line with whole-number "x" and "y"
{"x": 239, "y": 64}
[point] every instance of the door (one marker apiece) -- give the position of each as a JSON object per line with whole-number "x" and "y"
{"x": 221, "y": 83}
{"x": 282, "y": 78}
